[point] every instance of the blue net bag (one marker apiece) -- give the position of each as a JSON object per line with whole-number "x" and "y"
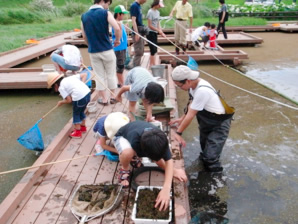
{"x": 32, "y": 139}
{"x": 127, "y": 58}
{"x": 110, "y": 155}
{"x": 192, "y": 64}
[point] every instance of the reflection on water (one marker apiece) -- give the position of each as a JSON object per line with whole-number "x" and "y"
{"x": 19, "y": 111}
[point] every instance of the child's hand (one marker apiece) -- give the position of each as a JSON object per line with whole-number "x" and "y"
{"x": 180, "y": 175}
{"x": 163, "y": 199}
{"x": 60, "y": 103}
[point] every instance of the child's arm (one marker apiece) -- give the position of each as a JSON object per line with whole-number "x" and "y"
{"x": 148, "y": 108}
{"x": 163, "y": 198}
{"x": 64, "y": 101}
{"x": 83, "y": 77}
{"x": 104, "y": 145}
{"x": 122, "y": 90}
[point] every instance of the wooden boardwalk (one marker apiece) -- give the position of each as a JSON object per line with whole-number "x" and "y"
{"x": 20, "y": 55}
{"x": 43, "y": 194}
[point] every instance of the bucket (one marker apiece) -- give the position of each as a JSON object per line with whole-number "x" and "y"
{"x": 92, "y": 106}
{"x": 158, "y": 70}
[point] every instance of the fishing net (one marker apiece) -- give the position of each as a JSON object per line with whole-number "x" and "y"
{"x": 93, "y": 199}
{"x": 192, "y": 64}
{"x": 32, "y": 139}
{"x": 89, "y": 75}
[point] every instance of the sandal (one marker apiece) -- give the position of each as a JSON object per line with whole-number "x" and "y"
{"x": 113, "y": 101}
{"x": 101, "y": 102}
{"x": 136, "y": 162}
{"x": 124, "y": 175}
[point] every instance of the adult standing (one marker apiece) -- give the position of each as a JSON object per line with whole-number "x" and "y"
{"x": 154, "y": 28}
{"x": 183, "y": 12}
{"x": 120, "y": 51}
{"x": 95, "y": 30}
{"x": 222, "y": 18}
{"x": 139, "y": 28}
{"x": 206, "y": 105}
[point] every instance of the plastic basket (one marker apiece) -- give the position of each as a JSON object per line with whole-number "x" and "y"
{"x": 158, "y": 70}
{"x": 48, "y": 68}
{"x": 92, "y": 107}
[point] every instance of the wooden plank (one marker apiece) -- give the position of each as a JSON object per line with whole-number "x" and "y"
{"x": 24, "y": 54}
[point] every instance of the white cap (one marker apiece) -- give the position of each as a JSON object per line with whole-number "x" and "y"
{"x": 114, "y": 122}
{"x": 183, "y": 72}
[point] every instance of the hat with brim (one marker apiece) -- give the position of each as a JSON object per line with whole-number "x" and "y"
{"x": 183, "y": 72}
{"x": 120, "y": 9}
{"x": 114, "y": 122}
{"x": 52, "y": 78}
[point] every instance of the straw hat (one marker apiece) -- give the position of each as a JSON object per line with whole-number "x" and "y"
{"x": 52, "y": 78}
{"x": 114, "y": 122}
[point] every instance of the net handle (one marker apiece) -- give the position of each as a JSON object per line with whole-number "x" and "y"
{"x": 44, "y": 164}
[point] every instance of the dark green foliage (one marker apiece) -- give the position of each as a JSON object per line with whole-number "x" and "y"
{"x": 73, "y": 8}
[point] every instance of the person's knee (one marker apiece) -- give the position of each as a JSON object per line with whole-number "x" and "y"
{"x": 120, "y": 68}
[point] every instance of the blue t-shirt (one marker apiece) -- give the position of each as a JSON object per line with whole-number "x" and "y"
{"x": 96, "y": 26}
{"x": 99, "y": 126}
{"x": 123, "y": 40}
{"x": 136, "y": 10}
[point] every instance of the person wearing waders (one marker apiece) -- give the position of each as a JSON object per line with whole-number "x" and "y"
{"x": 206, "y": 105}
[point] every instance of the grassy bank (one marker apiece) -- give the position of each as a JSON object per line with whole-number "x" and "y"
{"x": 18, "y": 22}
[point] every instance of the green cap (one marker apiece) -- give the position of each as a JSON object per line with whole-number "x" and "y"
{"x": 120, "y": 9}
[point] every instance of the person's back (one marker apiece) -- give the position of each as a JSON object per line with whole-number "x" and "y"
{"x": 96, "y": 27}
{"x": 72, "y": 55}
{"x": 74, "y": 87}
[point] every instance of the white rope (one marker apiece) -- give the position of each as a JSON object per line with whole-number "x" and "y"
{"x": 206, "y": 73}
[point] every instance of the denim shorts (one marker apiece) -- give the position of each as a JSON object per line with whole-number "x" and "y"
{"x": 78, "y": 109}
{"x": 121, "y": 144}
{"x": 60, "y": 61}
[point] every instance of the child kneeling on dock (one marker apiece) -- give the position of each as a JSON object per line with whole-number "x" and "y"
{"x": 146, "y": 140}
{"x": 139, "y": 83}
{"x": 74, "y": 91}
{"x": 112, "y": 123}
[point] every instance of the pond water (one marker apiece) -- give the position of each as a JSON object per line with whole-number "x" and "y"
{"x": 259, "y": 183}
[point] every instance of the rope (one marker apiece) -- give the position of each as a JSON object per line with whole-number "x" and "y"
{"x": 206, "y": 73}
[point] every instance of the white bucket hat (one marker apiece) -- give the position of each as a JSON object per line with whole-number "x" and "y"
{"x": 114, "y": 122}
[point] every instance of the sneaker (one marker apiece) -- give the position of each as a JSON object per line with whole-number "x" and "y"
{"x": 76, "y": 134}
{"x": 83, "y": 129}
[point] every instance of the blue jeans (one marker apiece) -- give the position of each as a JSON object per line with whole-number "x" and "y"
{"x": 78, "y": 109}
{"x": 60, "y": 61}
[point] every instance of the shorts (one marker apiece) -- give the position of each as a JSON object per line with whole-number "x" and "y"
{"x": 60, "y": 61}
{"x": 78, "y": 109}
{"x": 152, "y": 36}
{"x": 121, "y": 144}
{"x": 121, "y": 56}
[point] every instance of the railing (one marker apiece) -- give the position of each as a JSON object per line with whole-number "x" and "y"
{"x": 265, "y": 15}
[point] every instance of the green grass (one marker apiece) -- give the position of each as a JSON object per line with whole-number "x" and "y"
{"x": 14, "y": 36}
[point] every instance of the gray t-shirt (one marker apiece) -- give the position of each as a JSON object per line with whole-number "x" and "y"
{"x": 138, "y": 79}
{"x": 223, "y": 8}
{"x": 153, "y": 15}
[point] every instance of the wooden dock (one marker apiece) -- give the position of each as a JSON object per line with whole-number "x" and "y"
{"x": 208, "y": 55}
{"x": 20, "y": 55}
{"x": 43, "y": 194}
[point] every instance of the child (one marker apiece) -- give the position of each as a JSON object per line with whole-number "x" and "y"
{"x": 67, "y": 57}
{"x": 112, "y": 123}
{"x": 146, "y": 140}
{"x": 120, "y": 51}
{"x": 74, "y": 91}
{"x": 212, "y": 36}
{"x": 201, "y": 34}
{"x": 154, "y": 28}
{"x": 139, "y": 83}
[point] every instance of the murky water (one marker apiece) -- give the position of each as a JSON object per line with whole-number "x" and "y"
{"x": 259, "y": 183}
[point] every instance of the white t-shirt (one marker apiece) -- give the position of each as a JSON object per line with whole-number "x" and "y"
{"x": 197, "y": 33}
{"x": 74, "y": 87}
{"x": 71, "y": 55}
{"x": 206, "y": 98}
